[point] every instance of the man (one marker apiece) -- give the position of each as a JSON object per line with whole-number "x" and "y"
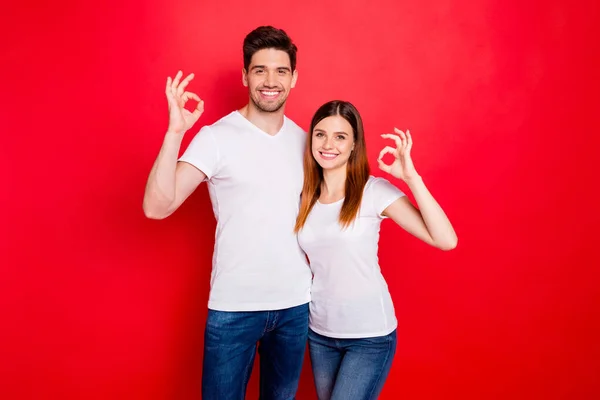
{"x": 252, "y": 161}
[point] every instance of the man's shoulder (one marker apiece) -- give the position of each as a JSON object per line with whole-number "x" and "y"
{"x": 227, "y": 123}
{"x": 294, "y": 127}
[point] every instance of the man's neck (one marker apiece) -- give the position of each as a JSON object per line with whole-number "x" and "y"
{"x": 269, "y": 122}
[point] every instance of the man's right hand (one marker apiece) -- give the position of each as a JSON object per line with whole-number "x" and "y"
{"x": 180, "y": 119}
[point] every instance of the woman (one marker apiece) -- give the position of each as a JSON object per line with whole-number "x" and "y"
{"x": 352, "y": 337}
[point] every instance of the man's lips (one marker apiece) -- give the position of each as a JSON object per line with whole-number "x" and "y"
{"x": 269, "y": 94}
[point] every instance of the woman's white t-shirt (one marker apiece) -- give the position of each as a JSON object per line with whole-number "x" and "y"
{"x": 349, "y": 296}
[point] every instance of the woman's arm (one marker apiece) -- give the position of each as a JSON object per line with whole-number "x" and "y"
{"x": 429, "y": 222}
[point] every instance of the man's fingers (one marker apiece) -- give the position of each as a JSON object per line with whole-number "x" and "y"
{"x": 190, "y": 95}
{"x": 176, "y": 82}
{"x": 184, "y": 83}
{"x": 168, "y": 88}
{"x": 199, "y": 109}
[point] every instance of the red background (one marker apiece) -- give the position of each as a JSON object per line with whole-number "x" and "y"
{"x": 97, "y": 302}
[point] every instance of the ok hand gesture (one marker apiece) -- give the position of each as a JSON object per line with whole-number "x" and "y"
{"x": 180, "y": 119}
{"x": 402, "y": 167}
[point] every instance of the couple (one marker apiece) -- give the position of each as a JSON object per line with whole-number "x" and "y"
{"x": 280, "y": 195}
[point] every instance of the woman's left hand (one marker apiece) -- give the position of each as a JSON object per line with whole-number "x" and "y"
{"x": 402, "y": 167}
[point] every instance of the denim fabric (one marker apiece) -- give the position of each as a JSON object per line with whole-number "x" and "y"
{"x": 355, "y": 369}
{"x": 230, "y": 342}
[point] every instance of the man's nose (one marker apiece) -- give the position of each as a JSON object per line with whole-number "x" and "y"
{"x": 270, "y": 80}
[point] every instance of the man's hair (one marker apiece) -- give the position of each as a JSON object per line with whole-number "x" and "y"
{"x": 268, "y": 37}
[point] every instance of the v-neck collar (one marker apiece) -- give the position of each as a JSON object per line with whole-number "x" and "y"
{"x": 258, "y": 130}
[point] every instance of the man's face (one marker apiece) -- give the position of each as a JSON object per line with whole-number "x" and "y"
{"x": 269, "y": 79}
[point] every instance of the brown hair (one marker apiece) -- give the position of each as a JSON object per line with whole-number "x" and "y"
{"x": 357, "y": 167}
{"x": 268, "y": 37}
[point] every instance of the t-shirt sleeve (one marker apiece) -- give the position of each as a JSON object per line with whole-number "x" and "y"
{"x": 203, "y": 152}
{"x": 382, "y": 194}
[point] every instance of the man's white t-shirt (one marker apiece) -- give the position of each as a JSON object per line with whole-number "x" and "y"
{"x": 254, "y": 182}
{"x": 350, "y": 298}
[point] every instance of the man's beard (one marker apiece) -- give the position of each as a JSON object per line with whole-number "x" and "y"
{"x": 269, "y": 108}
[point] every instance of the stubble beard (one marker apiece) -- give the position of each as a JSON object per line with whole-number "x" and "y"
{"x": 266, "y": 107}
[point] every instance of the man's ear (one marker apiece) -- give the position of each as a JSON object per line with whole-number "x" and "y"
{"x": 244, "y": 77}
{"x": 294, "y": 77}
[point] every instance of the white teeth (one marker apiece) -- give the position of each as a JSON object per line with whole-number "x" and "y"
{"x": 270, "y": 93}
{"x": 329, "y": 155}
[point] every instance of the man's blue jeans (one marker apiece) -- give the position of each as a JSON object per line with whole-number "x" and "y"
{"x": 350, "y": 369}
{"x": 230, "y": 342}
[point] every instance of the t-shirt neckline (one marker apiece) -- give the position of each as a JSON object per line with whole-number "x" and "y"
{"x": 257, "y": 129}
{"x": 330, "y": 204}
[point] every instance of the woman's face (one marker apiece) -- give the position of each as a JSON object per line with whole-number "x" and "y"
{"x": 332, "y": 142}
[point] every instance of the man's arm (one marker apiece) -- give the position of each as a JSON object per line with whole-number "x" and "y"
{"x": 170, "y": 182}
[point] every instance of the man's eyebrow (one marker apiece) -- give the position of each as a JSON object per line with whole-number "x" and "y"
{"x": 265, "y": 67}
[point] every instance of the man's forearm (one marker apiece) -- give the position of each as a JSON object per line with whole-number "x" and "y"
{"x": 160, "y": 188}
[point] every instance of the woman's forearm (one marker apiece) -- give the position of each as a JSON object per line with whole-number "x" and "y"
{"x": 438, "y": 225}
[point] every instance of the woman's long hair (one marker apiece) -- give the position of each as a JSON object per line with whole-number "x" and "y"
{"x": 357, "y": 173}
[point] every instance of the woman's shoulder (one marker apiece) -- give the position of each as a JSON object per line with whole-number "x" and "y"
{"x": 379, "y": 188}
{"x": 376, "y": 181}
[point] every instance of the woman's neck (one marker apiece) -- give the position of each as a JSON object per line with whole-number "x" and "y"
{"x": 333, "y": 187}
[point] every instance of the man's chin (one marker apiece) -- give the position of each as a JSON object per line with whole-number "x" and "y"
{"x": 268, "y": 107}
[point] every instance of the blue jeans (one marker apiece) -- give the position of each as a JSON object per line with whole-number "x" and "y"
{"x": 354, "y": 369}
{"x": 230, "y": 342}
